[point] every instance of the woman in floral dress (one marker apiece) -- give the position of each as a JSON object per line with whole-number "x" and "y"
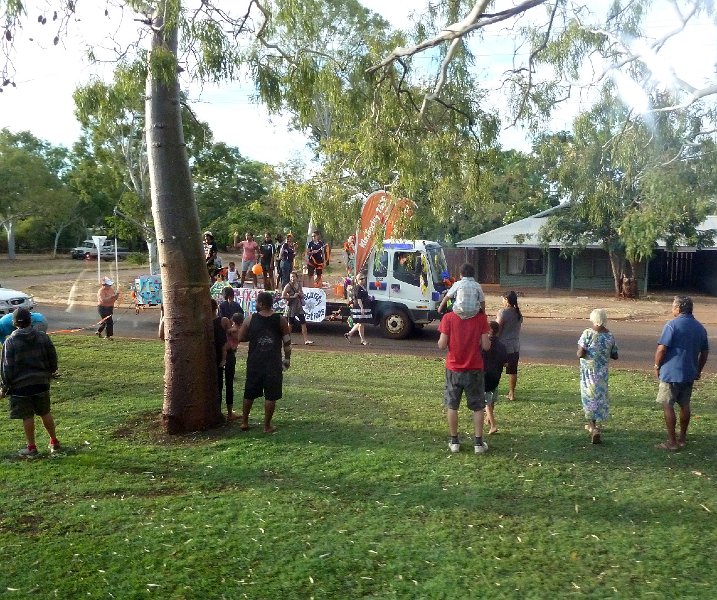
{"x": 596, "y": 347}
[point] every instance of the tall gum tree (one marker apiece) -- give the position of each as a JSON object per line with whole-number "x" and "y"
{"x": 365, "y": 128}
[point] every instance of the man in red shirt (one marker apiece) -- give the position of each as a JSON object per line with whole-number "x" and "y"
{"x": 464, "y": 338}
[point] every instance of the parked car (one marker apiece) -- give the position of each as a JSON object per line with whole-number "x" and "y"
{"x": 88, "y": 250}
{"x": 12, "y": 299}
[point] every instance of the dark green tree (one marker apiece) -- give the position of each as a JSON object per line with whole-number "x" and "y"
{"x": 30, "y": 183}
{"x": 628, "y": 184}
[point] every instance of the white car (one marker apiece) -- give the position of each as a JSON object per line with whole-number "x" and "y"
{"x": 12, "y": 299}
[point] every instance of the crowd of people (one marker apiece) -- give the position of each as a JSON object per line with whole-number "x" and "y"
{"x": 478, "y": 350}
{"x": 274, "y": 259}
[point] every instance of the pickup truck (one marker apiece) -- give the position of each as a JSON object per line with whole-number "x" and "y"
{"x": 88, "y": 250}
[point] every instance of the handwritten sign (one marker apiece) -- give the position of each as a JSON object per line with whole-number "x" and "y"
{"x": 314, "y": 302}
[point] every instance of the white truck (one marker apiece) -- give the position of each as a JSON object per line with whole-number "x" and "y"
{"x": 407, "y": 279}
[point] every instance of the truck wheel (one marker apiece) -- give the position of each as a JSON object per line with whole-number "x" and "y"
{"x": 396, "y": 324}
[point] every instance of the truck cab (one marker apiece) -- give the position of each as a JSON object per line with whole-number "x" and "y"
{"x": 406, "y": 279}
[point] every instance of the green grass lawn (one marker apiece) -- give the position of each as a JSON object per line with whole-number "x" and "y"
{"x": 356, "y": 495}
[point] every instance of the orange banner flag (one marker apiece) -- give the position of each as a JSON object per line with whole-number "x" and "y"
{"x": 380, "y": 211}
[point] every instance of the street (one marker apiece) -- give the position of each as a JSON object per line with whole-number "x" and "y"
{"x": 548, "y": 341}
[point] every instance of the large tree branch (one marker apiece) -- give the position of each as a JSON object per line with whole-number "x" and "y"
{"x": 475, "y": 20}
{"x": 260, "y": 34}
{"x": 453, "y": 35}
{"x": 531, "y": 64}
{"x": 691, "y": 99}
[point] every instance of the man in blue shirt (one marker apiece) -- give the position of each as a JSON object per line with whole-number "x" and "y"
{"x": 680, "y": 357}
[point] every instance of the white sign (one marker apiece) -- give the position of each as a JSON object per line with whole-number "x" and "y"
{"x": 314, "y": 304}
{"x": 99, "y": 241}
{"x": 314, "y": 301}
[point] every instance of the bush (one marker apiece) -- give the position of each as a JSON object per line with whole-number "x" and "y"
{"x": 137, "y": 258}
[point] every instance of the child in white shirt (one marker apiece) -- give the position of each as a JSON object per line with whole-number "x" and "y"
{"x": 232, "y": 275}
{"x": 466, "y": 293}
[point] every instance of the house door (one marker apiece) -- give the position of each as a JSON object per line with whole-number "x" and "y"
{"x": 563, "y": 267}
{"x": 489, "y": 267}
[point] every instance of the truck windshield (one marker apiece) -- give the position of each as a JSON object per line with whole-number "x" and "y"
{"x": 439, "y": 267}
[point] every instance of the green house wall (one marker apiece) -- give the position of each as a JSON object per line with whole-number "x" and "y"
{"x": 582, "y": 273}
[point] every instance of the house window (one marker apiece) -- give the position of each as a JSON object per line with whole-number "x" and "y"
{"x": 528, "y": 261}
{"x": 601, "y": 266}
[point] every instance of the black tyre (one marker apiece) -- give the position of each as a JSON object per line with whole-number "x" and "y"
{"x": 396, "y": 324}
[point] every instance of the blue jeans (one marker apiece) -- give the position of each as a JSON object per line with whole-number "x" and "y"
{"x": 285, "y": 268}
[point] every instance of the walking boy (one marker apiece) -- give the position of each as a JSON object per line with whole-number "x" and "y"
{"x": 27, "y": 363}
{"x": 494, "y": 360}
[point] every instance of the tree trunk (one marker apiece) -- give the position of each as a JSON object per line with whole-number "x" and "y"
{"x": 617, "y": 264}
{"x": 9, "y": 226}
{"x": 152, "y": 253}
{"x": 191, "y": 399}
{"x": 58, "y": 233}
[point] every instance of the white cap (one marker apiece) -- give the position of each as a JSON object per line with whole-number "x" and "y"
{"x": 107, "y": 281}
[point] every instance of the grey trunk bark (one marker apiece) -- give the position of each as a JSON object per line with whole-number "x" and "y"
{"x": 191, "y": 399}
{"x": 10, "y": 232}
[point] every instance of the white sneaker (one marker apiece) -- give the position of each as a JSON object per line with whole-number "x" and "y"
{"x": 481, "y": 449}
{"x": 454, "y": 447}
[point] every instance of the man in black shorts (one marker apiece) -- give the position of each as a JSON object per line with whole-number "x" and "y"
{"x": 266, "y": 332}
{"x": 28, "y": 362}
{"x": 266, "y": 259}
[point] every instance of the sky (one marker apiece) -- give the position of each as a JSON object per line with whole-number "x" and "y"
{"x": 47, "y": 75}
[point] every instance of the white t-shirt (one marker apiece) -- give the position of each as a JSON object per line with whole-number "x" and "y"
{"x": 232, "y": 276}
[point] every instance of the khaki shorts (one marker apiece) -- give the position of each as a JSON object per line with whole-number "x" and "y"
{"x": 674, "y": 393}
{"x": 26, "y": 407}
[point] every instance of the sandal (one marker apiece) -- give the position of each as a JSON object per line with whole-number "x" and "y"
{"x": 348, "y": 337}
{"x": 667, "y": 447}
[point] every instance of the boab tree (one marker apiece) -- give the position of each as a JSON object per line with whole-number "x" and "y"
{"x": 210, "y": 49}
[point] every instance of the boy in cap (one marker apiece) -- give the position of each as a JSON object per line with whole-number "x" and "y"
{"x": 27, "y": 363}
